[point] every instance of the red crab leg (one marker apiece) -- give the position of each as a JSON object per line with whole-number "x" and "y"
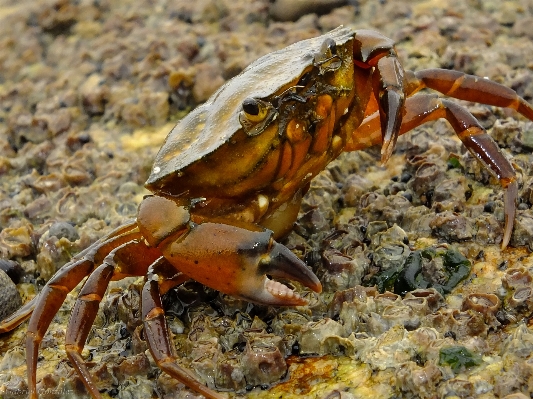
{"x": 55, "y": 291}
{"x": 132, "y": 255}
{"x": 468, "y": 87}
{"x": 156, "y": 332}
{"x": 372, "y": 49}
{"x": 424, "y": 108}
{"x": 388, "y": 89}
{"x": 26, "y": 310}
{"x": 18, "y": 317}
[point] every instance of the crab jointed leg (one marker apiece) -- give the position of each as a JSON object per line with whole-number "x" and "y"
{"x": 423, "y": 108}
{"x": 129, "y": 259}
{"x": 157, "y": 336}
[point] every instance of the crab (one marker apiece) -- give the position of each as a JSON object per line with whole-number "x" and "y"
{"x": 230, "y": 177}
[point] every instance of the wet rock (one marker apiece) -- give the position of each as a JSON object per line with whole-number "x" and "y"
{"x": 486, "y": 304}
{"x": 10, "y": 299}
{"x": 419, "y": 381}
{"x": 13, "y": 269}
{"x": 207, "y": 80}
{"x": 16, "y": 241}
{"x": 262, "y": 360}
{"x": 94, "y": 94}
{"x": 462, "y": 324}
{"x": 286, "y": 10}
{"x": 63, "y": 229}
{"x": 451, "y": 226}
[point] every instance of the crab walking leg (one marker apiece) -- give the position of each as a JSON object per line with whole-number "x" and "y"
{"x": 18, "y": 317}
{"x": 55, "y": 291}
{"x": 468, "y": 87}
{"x": 371, "y": 49}
{"x": 81, "y": 320}
{"x": 129, "y": 259}
{"x": 424, "y": 108}
{"x": 27, "y": 309}
{"x": 157, "y": 337}
{"x": 388, "y": 89}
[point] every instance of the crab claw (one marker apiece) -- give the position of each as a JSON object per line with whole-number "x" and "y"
{"x": 280, "y": 263}
{"x": 238, "y": 260}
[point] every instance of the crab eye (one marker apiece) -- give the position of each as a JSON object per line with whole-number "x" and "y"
{"x": 329, "y": 47}
{"x": 304, "y": 79}
{"x": 254, "y": 110}
{"x": 256, "y": 115}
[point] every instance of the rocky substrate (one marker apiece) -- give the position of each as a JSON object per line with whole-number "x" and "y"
{"x": 418, "y": 301}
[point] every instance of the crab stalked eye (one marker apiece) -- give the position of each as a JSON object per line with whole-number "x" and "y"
{"x": 327, "y": 59}
{"x": 255, "y": 110}
{"x": 304, "y": 79}
{"x": 256, "y": 115}
{"x": 329, "y": 47}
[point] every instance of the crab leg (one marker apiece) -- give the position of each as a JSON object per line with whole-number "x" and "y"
{"x": 157, "y": 337}
{"x": 55, "y": 291}
{"x": 468, "y": 87}
{"x": 424, "y": 108}
{"x": 18, "y": 317}
{"x": 371, "y": 49}
{"x": 132, "y": 255}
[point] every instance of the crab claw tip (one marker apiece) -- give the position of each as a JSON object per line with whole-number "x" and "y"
{"x": 282, "y": 263}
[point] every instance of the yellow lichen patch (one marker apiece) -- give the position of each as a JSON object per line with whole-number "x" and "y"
{"x": 319, "y": 377}
{"x": 146, "y": 137}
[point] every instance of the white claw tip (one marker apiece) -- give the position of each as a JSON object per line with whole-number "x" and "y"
{"x": 280, "y": 290}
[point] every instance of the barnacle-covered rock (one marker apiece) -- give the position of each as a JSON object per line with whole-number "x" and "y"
{"x": 357, "y": 294}
{"x": 262, "y": 360}
{"x": 523, "y": 229}
{"x": 516, "y": 277}
{"x": 424, "y": 301}
{"x": 16, "y": 241}
{"x": 230, "y": 371}
{"x": 451, "y": 226}
{"x": 426, "y": 268}
{"x": 289, "y": 322}
{"x": 387, "y": 350}
{"x": 461, "y": 324}
{"x": 426, "y": 178}
{"x": 516, "y": 395}
{"x": 518, "y": 284}
{"x": 400, "y": 315}
{"x": 418, "y": 381}
{"x": 341, "y": 271}
{"x": 456, "y": 387}
{"x": 204, "y": 357}
{"x": 486, "y": 304}
{"x": 389, "y": 248}
{"x": 521, "y": 300}
{"x": 315, "y": 335}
